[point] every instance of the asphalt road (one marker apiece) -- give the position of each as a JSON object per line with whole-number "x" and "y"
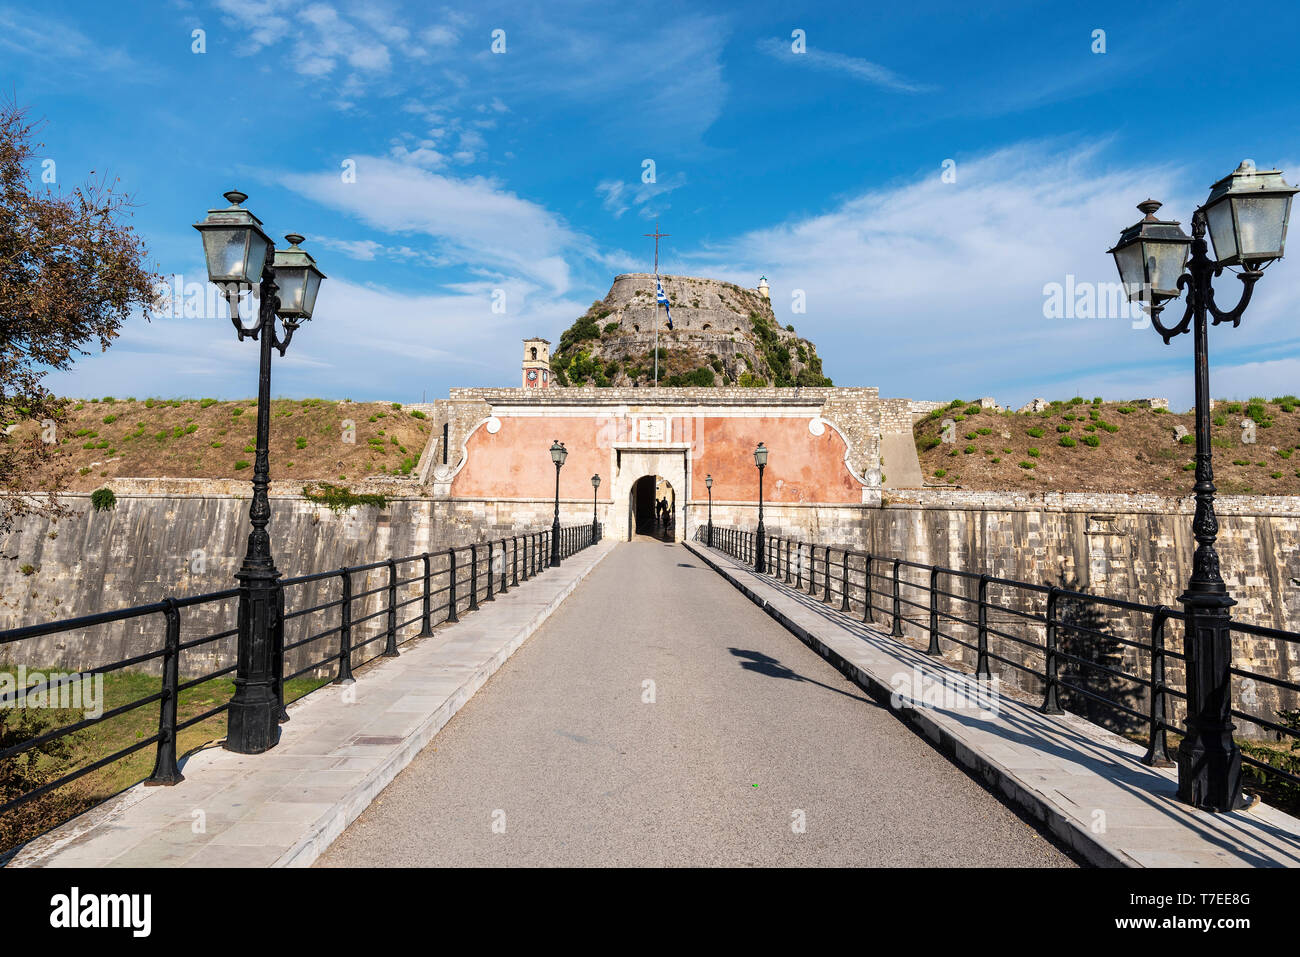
{"x": 558, "y": 760}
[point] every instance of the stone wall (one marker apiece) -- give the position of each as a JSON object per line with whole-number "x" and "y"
{"x": 153, "y": 546}
{"x": 1133, "y": 547}
{"x": 188, "y": 538}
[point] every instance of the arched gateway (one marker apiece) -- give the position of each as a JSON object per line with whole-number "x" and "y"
{"x": 489, "y": 453}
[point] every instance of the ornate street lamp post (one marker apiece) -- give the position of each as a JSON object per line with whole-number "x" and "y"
{"x": 558, "y": 454}
{"x": 1246, "y": 214}
{"x": 760, "y": 459}
{"x": 708, "y": 484}
{"x": 595, "y": 524}
{"x": 240, "y": 256}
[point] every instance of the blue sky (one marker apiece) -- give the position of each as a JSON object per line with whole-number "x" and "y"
{"x": 522, "y": 171}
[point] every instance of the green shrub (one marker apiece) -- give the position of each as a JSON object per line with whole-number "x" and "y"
{"x": 28, "y": 569}
{"x": 1063, "y": 428}
{"x": 1035, "y": 432}
{"x": 1109, "y": 427}
{"x": 940, "y": 473}
{"x": 1276, "y": 475}
{"x": 1159, "y": 411}
{"x": 974, "y": 410}
{"x": 1124, "y": 409}
{"x": 241, "y": 465}
{"x": 1240, "y": 462}
{"x": 1028, "y": 465}
{"x": 1067, "y": 442}
{"x": 1033, "y": 451}
{"x": 300, "y": 442}
{"x": 1091, "y": 441}
{"x": 610, "y": 327}
{"x": 417, "y": 414}
{"x": 1188, "y": 439}
{"x": 236, "y": 411}
{"x": 929, "y": 442}
{"x": 103, "y": 499}
{"x": 1077, "y": 400}
{"x": 338, "y": 497}
{"x": 397, "y": 406}
{"x": 110, "y": 419}
{"x": 995, "y": 460}
{"x": 969, "y": 449}
{"x": 984, "y": 431}
{"x": 1189, "y": 466}
{"x": 205, "y": 403}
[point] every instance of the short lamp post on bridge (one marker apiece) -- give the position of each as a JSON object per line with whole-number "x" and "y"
{"x": 708, "y": 485}
{"x": 241, "y": 257}
{"x": 1246, "y": 215}
{"x": 760, "y": 459}
{"x": 558, "y": 454}
{"x": 595, "y": 523}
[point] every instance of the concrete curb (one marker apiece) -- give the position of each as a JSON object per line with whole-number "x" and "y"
{"x": 1001, "y": 779}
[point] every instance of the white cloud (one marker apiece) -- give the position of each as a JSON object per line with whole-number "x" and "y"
{"x": 618, "y": 197}
{"x": 829, "y": 61}
{"x": 471, "y": 220}
{"x": 934, "y": 290}
{"x": 364, "y": 343}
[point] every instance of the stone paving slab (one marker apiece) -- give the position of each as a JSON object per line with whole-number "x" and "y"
{"x": 1085, "y": 784}
{"x": 341, "y": 747}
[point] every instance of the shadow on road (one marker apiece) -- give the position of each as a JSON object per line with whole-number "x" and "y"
{"x": 769, "y": 666}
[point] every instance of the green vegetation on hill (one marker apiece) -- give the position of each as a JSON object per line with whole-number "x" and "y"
{"x": 1092, "y": 445}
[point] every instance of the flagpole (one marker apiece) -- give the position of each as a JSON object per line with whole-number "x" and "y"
{"x": 657, "y": 236}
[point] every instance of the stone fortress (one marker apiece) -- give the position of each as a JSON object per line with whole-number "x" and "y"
{"x": 827, "y": 444}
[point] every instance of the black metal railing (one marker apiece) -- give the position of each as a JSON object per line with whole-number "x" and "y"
{"x": 1086, "y": 654}
{"x": 341, "y": 620}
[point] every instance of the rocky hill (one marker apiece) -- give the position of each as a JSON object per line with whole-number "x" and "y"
{"x": 722, "y": 335}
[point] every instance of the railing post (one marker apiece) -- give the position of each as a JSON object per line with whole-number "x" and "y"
{"x": 1157, "y": 748}
{"x": 426, "y": 608}
{"x": 798, "y": 569}
{"x": 390, "y": 648}
{"x": 473, "y": 578}
{"x": 490, "y": 596}
{"x": 868, "y": 613}
{"x": 1051, "y": 705}
{"x": 826, "y": 569}
{"x": 897, "y": 630}
{"x": 345, "y": 629}
{"x": 277, "y": 650}
{"x": 505, "y": 572}
{"x": 165, "y": 770}
{"x": 787, "y": 562}
{"x": 934, "y": 612}
{"x": 451, "y": 587}
{"x": 844, "y": 582}
{"x": 982, "y": 661}
{"x": 514, "y": 560}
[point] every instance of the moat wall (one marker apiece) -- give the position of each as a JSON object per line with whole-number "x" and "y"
{"x": 179, "y": 541}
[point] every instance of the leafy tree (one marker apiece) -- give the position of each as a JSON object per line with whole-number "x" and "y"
{"x": 71, "y": 271}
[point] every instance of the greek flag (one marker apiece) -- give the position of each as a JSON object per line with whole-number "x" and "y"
{"x": 662, "y": 299}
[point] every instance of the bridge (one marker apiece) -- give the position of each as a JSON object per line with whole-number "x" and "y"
{"x": 654, "y": 702}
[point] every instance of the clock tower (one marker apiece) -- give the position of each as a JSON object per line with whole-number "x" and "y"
{"x": 537, "y": 364}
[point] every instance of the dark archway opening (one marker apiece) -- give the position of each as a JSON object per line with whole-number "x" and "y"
{"x": 653, "y": 506}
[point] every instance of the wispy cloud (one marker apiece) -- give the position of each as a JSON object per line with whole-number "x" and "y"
{"x": 472, "y": 221}
{"x": 618, "y": 197}
{"x": 924, "y": 275}
{"x": 829, "y": 61}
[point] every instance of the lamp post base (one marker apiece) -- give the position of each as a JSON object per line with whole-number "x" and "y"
{"x": 1208, "y": 759}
